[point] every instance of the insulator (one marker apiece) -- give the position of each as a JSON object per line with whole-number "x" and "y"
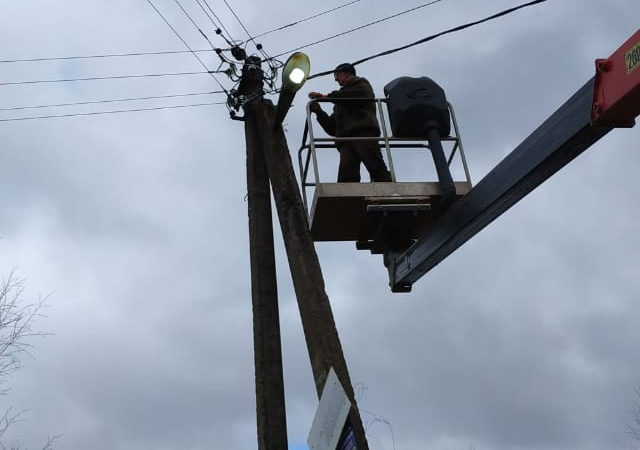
{"x": 238, "y": 53}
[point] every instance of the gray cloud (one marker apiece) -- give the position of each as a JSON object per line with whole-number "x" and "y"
{"x": 524, "y": 338}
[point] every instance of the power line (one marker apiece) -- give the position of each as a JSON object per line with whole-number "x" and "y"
{"x": 174, "y": 52}
{"x": 131, "y": 54}
{"x": 116, "y": 55}
{"x": 305, "y": 19}
{"x": 231, "y": 71}
{"x": 270, "y": 61}
{"x": 434, "y": 36}
{"x": 93, "y": 102}
{"x": 111, "y": 112}
{"x": 7, "y": 83}
{"x": 218, "y": 19}
{"x": 193, "y": 22}
{"x": 206, "y": 13}
{"x": 108, "y": 55}
{"x": 185, "y": 43}
{"x": 204, "y": 10}
{"x": 433, "y": 2}
{"x": 239, "y": 21}
{"x": 218, "y": 31}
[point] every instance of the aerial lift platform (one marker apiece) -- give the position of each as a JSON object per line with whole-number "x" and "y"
{"x": 377, "y": 215}
{"x": 406, "y": 221}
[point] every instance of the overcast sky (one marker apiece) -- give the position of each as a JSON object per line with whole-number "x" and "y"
{"x": 527, "y": 337}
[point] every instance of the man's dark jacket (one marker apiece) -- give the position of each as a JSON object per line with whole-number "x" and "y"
{"x": 351, "y": 119}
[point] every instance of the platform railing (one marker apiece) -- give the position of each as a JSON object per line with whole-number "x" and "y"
{"x": 308, "y": 158}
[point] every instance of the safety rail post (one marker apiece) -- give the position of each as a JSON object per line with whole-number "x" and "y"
{"x": 463, "y": 157}
{"x": 305, "y": 168}
{"x": 312, "y": 146}
{"x": 454, "y": 138}
{"x": 386, "y": 140}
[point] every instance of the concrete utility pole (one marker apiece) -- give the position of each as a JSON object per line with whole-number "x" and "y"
{"x": 267, "y": 144}
{"x": 323, "y": 343}
{"x": 270, "y": 407}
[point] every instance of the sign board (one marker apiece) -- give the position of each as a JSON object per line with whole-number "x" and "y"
{"x": 330, "y": 417}
{"x": 349, "y": 441}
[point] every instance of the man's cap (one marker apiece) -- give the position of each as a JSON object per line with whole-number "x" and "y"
{"x": 345, "y": 67}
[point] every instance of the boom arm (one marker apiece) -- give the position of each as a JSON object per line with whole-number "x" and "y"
{"x": 562, "y": 137}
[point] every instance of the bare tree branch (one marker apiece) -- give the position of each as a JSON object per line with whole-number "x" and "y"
{"x": 16, "y": 321}
{"x": 634, "y": 428}
{"x": 16, "y": 334}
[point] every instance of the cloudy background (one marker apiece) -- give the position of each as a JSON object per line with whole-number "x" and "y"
{"x": 527, "y": 337}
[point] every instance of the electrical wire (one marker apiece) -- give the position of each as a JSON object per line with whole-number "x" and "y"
{"x": 223, "y": 60}
{"x": 110, "y": 112}
{"x": 218, "y": 30}
{"x": 173, "y": 52}
{"x": 185, "y": 43}
{"x": 93, "y": 102}
{"x": 204, "y": 10}
{"x": 218, "y": 19}
{"x": 239, "y": 21}
{"x": 273, "y": 63}
{"x": 258, "y": 46}
{"x": 8, "y": 83}
{"x": 433, "y": 2}
{"x": 194, "y": 23}
{"x": 108, "y": 55}
{"x": 305, "y": 19}
{"x": 434, "y": 36}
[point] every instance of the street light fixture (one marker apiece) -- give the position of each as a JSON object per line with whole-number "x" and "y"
{"x": 295, "y": 71}
{"x": 294, "y": 74}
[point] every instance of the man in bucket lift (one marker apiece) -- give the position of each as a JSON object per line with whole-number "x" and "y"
{"x": 351, "y": 120}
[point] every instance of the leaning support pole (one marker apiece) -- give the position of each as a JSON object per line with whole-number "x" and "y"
{"x": 323, "y": 343}
{"x": 270, "y": 405}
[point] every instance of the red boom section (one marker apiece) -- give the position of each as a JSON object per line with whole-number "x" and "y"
{"x": 616, "y": 96}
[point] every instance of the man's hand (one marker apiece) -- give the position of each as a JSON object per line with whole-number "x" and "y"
{"x": 316, "y": 95}
{"x": 315, "y": 107}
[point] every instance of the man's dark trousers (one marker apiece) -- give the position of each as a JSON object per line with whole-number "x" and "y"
{"x": 353, "y": 153}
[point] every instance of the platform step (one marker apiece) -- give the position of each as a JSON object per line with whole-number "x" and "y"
{"x": 354, "y": 211}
